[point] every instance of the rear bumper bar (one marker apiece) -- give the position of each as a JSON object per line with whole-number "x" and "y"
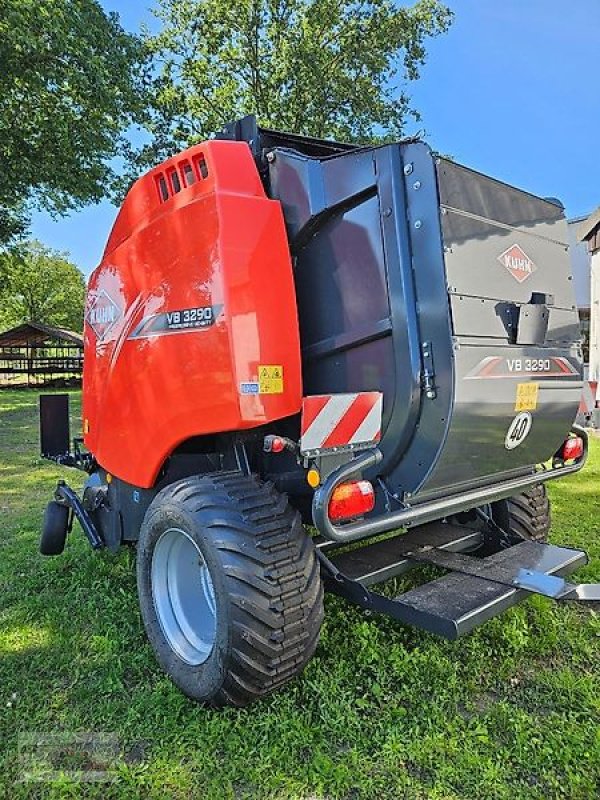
{"x": 425, "y": 512}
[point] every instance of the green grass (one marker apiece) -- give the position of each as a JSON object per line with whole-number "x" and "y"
{"x": 382, "y": 711}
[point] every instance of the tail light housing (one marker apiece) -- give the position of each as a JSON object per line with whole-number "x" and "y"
{"x": 572, "y": 449}
{"x": 350, "y": 500}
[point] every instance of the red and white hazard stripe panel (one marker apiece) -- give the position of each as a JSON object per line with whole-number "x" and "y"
{"x": 589, "y": 397}
{"x": 339, "y": 420}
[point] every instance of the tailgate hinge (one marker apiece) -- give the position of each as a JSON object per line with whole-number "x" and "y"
{"x": 428, "y": 377}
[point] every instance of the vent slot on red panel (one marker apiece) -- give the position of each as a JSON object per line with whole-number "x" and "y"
{"x": 187, "y": 173}
{"x": 163, "y": 189}
{"x": 174, "y": 181}
{"x": 201, "y": 166}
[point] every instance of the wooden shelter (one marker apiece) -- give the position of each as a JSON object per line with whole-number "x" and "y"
{"x": 35, "y": 354}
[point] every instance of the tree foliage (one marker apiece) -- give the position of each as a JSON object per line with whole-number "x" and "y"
{"x": 39, "y": 284}
{"x": 68, "y": 91}
{"x": 320, "y": 67}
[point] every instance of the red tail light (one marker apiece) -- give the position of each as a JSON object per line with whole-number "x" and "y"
{"x": 572, "y": 448}
{"x": 352, "y": 499}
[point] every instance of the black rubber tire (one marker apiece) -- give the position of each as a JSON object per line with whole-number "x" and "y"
{"x": 266, "y": 578}
{"x": 526, "y": 514}
{"x": 54, "y": 529}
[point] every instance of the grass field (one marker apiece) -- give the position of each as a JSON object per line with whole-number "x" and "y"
{"x": 383, "y": 711}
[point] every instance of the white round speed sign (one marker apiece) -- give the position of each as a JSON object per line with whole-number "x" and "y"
{"x": 518, "y": 430}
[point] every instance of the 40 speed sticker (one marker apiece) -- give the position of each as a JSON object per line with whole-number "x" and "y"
{"x": 518, "y": 430}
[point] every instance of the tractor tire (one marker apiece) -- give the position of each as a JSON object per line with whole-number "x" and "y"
{"x": 54, "y": 529}
{"x": 526, "y": 514}
{"x": 229, "y": 587}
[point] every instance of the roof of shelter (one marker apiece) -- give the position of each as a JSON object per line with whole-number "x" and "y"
{"x": 36, "y": 333}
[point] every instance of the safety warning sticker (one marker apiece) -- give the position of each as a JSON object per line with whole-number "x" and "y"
{"x": 270, "y": 379}
{"x": 527, "y": 396}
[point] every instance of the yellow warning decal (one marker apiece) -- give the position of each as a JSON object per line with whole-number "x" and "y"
{"x": 270, "y": 379}
{"x": 527, "y": 396}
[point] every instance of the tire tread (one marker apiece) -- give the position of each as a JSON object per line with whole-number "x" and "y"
{"x": 272, "y": 577}
{"x": 529, "y": 514}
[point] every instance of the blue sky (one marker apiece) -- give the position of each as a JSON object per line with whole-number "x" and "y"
{"x": 511, "y": 90}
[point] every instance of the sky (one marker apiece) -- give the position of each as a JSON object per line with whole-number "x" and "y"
{"x": 511, "y": 90}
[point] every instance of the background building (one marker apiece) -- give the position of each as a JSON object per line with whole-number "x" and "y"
{"x": 34, "y": 354}
{"x": 589, "y": 235}
{"x": 581, "y": 266}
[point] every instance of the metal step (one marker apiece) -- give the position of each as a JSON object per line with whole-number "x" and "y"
{"x": 474, "y": 590}
{"x": 457, "y": 603}
{"x": 386, "y": 559}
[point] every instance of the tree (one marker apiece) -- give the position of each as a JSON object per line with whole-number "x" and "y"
{"x": 39, "y": 284}
{"x": 68, "y": 92}
{"x": 320, "y": 67}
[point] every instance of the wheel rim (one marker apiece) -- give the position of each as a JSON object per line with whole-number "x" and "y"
{"x": 184, "y": 596}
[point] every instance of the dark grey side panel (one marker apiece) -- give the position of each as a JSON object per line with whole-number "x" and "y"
{"x": 510, "y": 327}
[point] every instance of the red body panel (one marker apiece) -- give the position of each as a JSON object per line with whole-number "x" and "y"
{"x": 216, "y": 253}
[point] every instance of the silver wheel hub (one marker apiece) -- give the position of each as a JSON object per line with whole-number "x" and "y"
{"x": 184, "y": 596}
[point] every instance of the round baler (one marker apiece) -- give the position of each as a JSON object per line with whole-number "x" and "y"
{"x": 286, "y": 332}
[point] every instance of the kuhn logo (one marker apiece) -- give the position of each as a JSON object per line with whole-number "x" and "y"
{"x": 517, "y": 262}
{"x": 102, "y": 313}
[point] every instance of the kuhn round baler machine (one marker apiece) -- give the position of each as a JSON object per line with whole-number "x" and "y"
{"x": 286, "y": 332}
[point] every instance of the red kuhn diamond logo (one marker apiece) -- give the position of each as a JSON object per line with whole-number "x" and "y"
{"x": 102, "y": 313}
{"x": 517, "y": 262}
